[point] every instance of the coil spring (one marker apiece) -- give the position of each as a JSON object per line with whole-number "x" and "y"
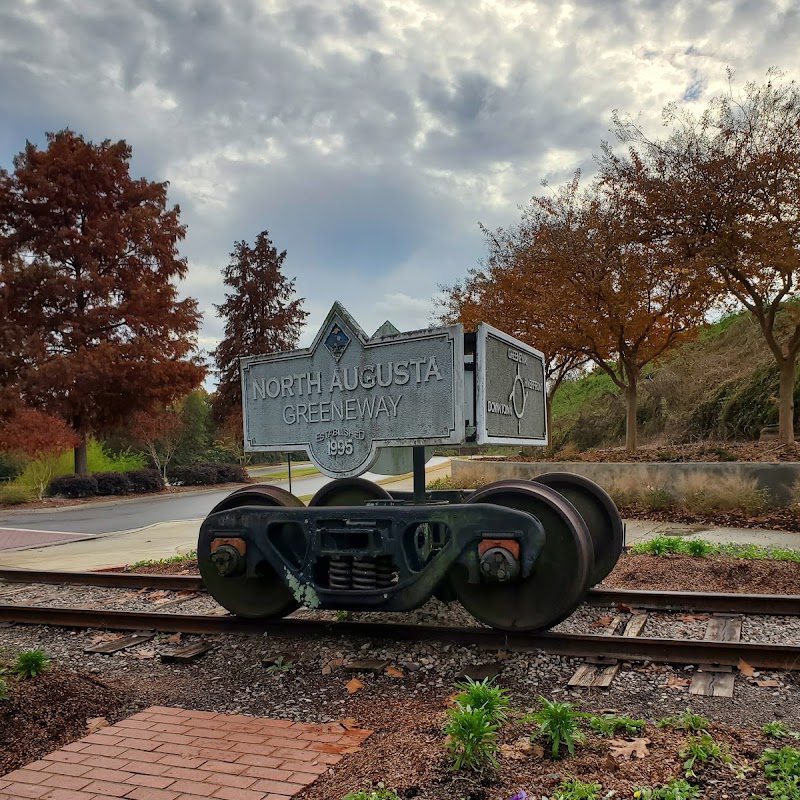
{"x": 340, "y": 572}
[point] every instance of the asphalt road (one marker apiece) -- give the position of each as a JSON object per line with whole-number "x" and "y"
{"x": 136, "y": 513}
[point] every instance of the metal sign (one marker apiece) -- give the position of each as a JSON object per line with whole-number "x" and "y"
{"x": 347, "y": 395}
{"x": 510, "y": 386}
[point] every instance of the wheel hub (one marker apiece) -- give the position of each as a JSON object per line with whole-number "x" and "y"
{"x": 228, "y": 561}
{"x": 499, "y": 564}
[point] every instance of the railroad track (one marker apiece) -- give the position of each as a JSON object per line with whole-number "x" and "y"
{"x": 715, "y": 602}
{"x": 602, "y": 648}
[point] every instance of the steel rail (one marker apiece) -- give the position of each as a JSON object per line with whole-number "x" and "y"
{"x": 117, "y": 580}
{"x": 672, "y": 651}
{"x": 719, "y": 602}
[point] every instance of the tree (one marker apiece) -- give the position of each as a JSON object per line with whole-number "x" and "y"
{"x": 195, "y": 410}
{"x": 511, "y": 292}
{"x": 93, "y": 329}
{"x": 260, "y": 315}
{"x": 159, "y": 433}
{"x": 599, "y": 289}
{"x": 724, "y": 188}
{"x": 231, "y": 436}
{"x": 38, "y": 438}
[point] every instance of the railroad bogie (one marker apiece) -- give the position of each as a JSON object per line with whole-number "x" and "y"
{"x": 518, "y": 555}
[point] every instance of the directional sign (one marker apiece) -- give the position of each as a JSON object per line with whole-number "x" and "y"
{"x": 348, "y": 394}
{"x": 510, "y": 393}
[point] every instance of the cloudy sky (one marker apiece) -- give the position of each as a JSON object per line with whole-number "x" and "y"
{"x": 369, "y": 138}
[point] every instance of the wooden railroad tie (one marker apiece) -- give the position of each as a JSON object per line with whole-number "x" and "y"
{"x": 601, "y": 671}
{"x": 716, "y": 680}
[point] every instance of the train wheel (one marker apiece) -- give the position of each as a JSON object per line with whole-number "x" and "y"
{"x": 599, "y": 513}
{"x": 349, "y": 492}
{"x": 560, "y": 575}
{"x": 264, "y": 596}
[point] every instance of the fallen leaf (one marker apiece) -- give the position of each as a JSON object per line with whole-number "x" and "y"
{"x": 693, "y": 617}
{"x": 106, "y": 637}
{"x": 393, "y": 672}
{"x": 746, "y": 669}
{"x": 175, "y": 638}
{"x": 522, "y": 749}
{"x": 143, "y": 654}
{"x": 602, "y": 622}
{"x": 503, "y": 655}
{"x": 353, "y": 685}
{"x": 158, "y": 594}
{"x": 627, "y": 750}
{"x": 626, "y": 609}
{"x": 331, "y": 665}
{"x": 95, "y": 723}
{"x": 768, "y": 683}
{"x": 678, "y": 681}
{"x": 326, "y": 670}
{"x": 349, "y": 724}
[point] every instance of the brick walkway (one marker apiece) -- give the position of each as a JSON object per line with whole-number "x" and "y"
{"x": 173, "y": 754}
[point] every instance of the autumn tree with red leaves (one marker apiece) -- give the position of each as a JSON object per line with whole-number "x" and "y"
{"x": 93, "y": 327}
{"x": 38, "y": 438}
{"x": 158, "y": 432}
{"x": 261, "y": 316}
{"x": 723, "y": 189}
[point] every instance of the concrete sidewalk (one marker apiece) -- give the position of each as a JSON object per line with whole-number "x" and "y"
{"x": 167, "y": 539}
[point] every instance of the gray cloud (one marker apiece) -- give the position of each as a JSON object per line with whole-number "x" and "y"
{"x": 368, "y": 138}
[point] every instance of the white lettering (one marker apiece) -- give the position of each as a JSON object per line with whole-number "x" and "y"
{"x": 433, "y": 370}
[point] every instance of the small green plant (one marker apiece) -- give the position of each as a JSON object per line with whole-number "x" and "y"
{"x": 179, "y": 559}
{"x": 3, "y": 689}
{"x": 702, "y": 749}
{"x": 558, "y": 725}
{"x": 14, "y": 494}
{"x": 611, "y": 724}
{"x": 471, "y": 738}
{"x": 699, "y": 548}
{"x": 379, "y": 793}
{"x": 279, "y": 666}
{"x": 782, "y": 768}
{"x": 779, "y": 730}
{"x": 31, "y": 663}
{"x": 673, "y": 789}
{"x": 573, "y": 789}
{"x": 687, "y": 721}
{"x": 484, "y": 694}
{"x": 342, "y": 616}
{"x": 660, "y": 546}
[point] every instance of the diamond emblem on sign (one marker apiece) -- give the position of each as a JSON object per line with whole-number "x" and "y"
{"x": 336, "y": 341}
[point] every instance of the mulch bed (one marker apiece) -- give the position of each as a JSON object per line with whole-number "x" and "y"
{"x": 406, "y": 754}
{"x": 680, "y": 573}
{"x": 45, "y": 713}
{"x": 711, "y": 451}
{"x": 776, "y": 519}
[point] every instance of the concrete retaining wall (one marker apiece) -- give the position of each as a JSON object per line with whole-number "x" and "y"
{"x": 777, "y": 478}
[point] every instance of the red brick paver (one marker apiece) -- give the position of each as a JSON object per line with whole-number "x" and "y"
{"x": 175, "y": 754}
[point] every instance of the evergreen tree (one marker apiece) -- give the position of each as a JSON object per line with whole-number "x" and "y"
{"x": 261, "y": 315}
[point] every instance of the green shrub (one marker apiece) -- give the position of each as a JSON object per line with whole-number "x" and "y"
{"x": 112, "y": 483}
{"x": 660, "y": 546}
{"x": 15, "y": 494}
{"x": 31, "y": 663}
{"x": 611, "y": 724}
{"x": 484, "y": 695}
{"x": 73, "y": 486}
{"x": 145, "y": 480}
{"x": 471, "y": 738}
{"x": 573, "y": 789}
{"x": 698, "y": 548}
{"x": 558, "y": 725}
{"x": 687, "y": 721}
{"x": 673, "y": 789}
{"x": 702, "y": 749}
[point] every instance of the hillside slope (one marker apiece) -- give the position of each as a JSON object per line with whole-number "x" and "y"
{"x": 721, "y": 385}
